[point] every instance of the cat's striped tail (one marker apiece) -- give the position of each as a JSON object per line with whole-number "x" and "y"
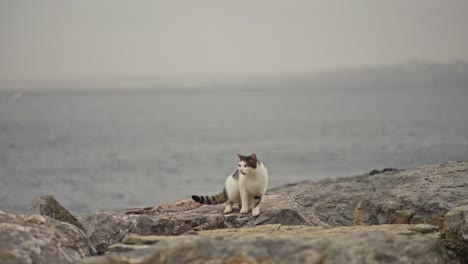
{"x": 211, "y": 199}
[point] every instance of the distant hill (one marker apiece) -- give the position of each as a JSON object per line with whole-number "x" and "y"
{"x": 410, "y": 75}
{"x": 428, "y": 75}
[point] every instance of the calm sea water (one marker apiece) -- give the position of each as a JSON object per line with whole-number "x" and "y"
{"x": 104, "y": 150}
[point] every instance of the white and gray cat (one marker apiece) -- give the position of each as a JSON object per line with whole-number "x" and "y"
{"x": 245, "y": 187}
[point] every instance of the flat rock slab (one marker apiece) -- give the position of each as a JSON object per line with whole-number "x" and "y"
{"x": 285, "y": 231}
{"x": 289, "y": 244}
{"x": 40, "y": 239}
{"x": 105, "y": 228}
{"x": 419, "y": 195}
{"x": 316, "y": 231}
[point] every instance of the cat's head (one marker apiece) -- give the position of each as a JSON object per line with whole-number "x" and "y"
{"x": 247, "y": 163}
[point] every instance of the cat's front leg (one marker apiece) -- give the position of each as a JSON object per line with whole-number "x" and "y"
{"x": 257, "y": 200}
{"x": 251, "y": 203}
{"x": 244, "y": 202}
{"x": 256, "y": 211}
{"x": 228, "y": 208}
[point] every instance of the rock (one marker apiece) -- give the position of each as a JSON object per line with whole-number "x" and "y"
{"x": 47, "y": 205}
{"x": 418, "y": 195}
{"x": 278, "y": 230}
{"x": 186, "y": 217}
{"x": 288, "y": 244}
{"x": 455, "y": 231}
{"x": 373, "y": 172}
{"x": 425, "y": 229}
{"x": 121, "y": 247}
{"x": 40, "y": 239}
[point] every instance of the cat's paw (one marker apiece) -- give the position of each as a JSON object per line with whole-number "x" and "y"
{"x": 256, "y": 211}
{"x": 244, "y": 210}
{"x": 228, "y": 210}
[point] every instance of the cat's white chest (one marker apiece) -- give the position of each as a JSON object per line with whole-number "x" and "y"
{"x": 255, "y": 184}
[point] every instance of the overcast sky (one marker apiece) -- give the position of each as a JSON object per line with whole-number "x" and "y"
{"x": 42, "y": 39}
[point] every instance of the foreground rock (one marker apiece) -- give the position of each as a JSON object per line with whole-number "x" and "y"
{"x": 374, "y": 219}
{"x": 40, "y": 239}
{"x": 186, "y": 217}
{"x": 455, "y": 231}
{"x": 419, "y": 195}
{"x": 289, "y": 244}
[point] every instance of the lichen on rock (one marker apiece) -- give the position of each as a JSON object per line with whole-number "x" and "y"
{"x": 49, "y": 206}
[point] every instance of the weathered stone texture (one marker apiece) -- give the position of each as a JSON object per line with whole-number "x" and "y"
{"x": 40, "y": 239}
{"x": 47, "y": 205}
{"x": 109, "y": 227}
{"x": 419, "y": 195}
{"x": 287, "y": 244}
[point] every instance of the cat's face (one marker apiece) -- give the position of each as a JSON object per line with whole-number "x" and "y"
{"x": 247, "y": 163}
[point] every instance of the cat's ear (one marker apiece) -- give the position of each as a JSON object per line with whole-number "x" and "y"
{"x": 241, "y": 157}
{"x": 253, "y": 156}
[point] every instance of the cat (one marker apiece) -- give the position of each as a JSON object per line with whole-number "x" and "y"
{"x": 246, "y": 187}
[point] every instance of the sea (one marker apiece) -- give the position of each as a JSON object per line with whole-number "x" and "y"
{"x": 113, "y": 149}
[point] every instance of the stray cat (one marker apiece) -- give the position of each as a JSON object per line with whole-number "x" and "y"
{"x": 245, "y": 187}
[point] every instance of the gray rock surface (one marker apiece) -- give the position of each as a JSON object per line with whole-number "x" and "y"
{"x": 455, "y": 231}
{"x": 105, "y": 228}
{"x": 419, "y": 195}
{"x": 287, "y": 244}
{"x": 40, "y": 239}
{"x": 418, "y": 215}
{"x": 49, "y": 206}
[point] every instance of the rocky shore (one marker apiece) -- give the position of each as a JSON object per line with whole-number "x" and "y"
{"x": 417, "y": 215}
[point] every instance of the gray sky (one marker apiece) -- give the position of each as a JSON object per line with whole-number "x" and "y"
{"x": 42, "y": 39}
